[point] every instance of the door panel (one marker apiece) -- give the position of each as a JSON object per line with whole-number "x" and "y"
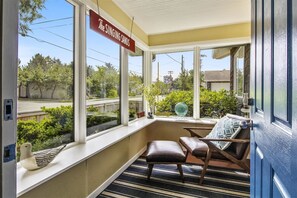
{"x": 279, "y": 190}
{"x": 266, "y": 179}
{"x": 281, "y": 67}
{"x": 259, "y": 57}
{"x": 259, "y": 170}
{"x": 272, "y": 159}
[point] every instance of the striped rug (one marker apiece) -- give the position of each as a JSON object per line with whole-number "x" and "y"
{"x": 165, "y": 182}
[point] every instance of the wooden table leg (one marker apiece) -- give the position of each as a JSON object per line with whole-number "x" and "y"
{"x": 180, "y": 168}
{"x": 150, "y": 169}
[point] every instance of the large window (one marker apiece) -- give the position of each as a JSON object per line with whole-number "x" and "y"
{"x": 135, "y": 83}
{"x": 173, "y": 75}
{"x": 216, "y": 99}
{"x": 45, "y": 76}
{"x": 103, "y": 82}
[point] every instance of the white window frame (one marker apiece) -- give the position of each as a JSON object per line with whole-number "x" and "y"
{"x": 124, "y": 72}
{"x": 124, "y": 108}
{"x": 142, "y": 68}
{"x": 8, "y": 67}
{"x": 80, "y": 133}
{"x": 197, "y": 70}
{"x": 147, "y": 74}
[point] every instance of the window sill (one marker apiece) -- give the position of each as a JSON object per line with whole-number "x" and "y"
{"x": 187, "y": 120}
{"x": 28, "y": 180}
{"x": 77, "y": 153}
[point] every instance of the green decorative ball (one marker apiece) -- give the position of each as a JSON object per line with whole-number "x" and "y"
{"x": 181, "y": 109}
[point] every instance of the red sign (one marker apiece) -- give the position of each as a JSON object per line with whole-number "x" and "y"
{"x": 100, "y": 25}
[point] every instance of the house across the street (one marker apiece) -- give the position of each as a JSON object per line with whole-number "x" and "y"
{"x": 217, "y": 80}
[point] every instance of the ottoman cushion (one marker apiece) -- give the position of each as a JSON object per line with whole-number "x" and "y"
{"x": 165, "y": 151}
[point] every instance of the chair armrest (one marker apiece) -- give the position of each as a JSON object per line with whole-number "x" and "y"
{"x": 198, "y": 128}
{"x": 193, "y": 134}
{"x": 225, "y": 140}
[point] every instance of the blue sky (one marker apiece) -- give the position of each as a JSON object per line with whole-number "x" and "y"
{"x": 172, "y": 62}
{"x": 46, "y": 32}
{"x": 55, "y": 39}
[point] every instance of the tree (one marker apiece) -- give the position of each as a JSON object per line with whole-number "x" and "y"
{"x": 46, "y": 73}
{"x": 90, "y": 71}
{"x": 37, "y": 70}
{"x": 104, "y": 81}
{"x": 59, "y": 75}
{"x": 23, "y": 79}
{"x": 29, "y": 12}
{"x": 112, "y": 81}
{"x": 151, "y": 93}
{"x": 185, "y": 80}
{"x": 183, "y": 76}
{"x": 164, "y": 88}
{"x": 135, "y": 84}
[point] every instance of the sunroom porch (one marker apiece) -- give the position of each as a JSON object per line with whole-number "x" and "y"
{"x": 102, "y": 121}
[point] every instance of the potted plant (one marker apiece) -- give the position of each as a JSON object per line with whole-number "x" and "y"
{"x": 150, "y": 93}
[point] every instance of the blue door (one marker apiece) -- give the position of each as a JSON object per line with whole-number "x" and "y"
{"x": 273, "y": 87}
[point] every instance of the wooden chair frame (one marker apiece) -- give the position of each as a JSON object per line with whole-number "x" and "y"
{"x": 243, "y": 162}
{"x": 178, "y": 164}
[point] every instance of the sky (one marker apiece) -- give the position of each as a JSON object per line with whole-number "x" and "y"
{"x": 172, "y": 62}
{"x": 52, "y": 35}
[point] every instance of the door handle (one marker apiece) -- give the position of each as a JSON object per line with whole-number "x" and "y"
{"x": 244, "y": 124}
{"x": 251, "y": 101}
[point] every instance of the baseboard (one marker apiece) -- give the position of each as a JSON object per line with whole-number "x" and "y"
{"x": 96, "y": 192}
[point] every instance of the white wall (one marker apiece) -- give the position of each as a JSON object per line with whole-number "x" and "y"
{"x": 219, "y": 86}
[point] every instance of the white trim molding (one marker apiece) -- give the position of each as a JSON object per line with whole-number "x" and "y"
{"x": 202, "y": 45}
{"x": 197, "y": 72}
{"x": 147, "y": 73}
{"x": 8, "y": 88}
{"x": 80, "y": 76}
{"x": 124, "y": 99}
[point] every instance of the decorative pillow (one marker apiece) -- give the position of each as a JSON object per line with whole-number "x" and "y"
{"x": 226, "y": 128}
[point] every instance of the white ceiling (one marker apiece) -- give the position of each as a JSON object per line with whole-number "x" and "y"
{"x": 163, "y": 16}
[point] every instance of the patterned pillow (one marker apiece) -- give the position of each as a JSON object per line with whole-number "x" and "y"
{"x": 226, "y": 128}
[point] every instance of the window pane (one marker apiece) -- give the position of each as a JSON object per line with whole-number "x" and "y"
{"x": 173, "y": 75}
{"x": 45, "y": 77}
{"x": 103, "y": 82}
{"x": 135, "y": 83}
{"x": 216, "y": 99}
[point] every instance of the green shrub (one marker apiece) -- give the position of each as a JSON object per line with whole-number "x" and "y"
{"x": 91, "y": 108}
{"x": 28, "y": 130}
{"x": 212, "y": 103}
{"x": 60, "y": 118}
{"x": 132, "y": 113}
{"x": 169, "y": 102}
{"x": 217, "y": 103}
{"x": 112, "y": 93}
{"x": 54, "y": 129}
{"x": 93, "y": 120}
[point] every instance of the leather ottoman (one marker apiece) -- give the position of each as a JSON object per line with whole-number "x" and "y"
{"x": 165, "y": 152}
